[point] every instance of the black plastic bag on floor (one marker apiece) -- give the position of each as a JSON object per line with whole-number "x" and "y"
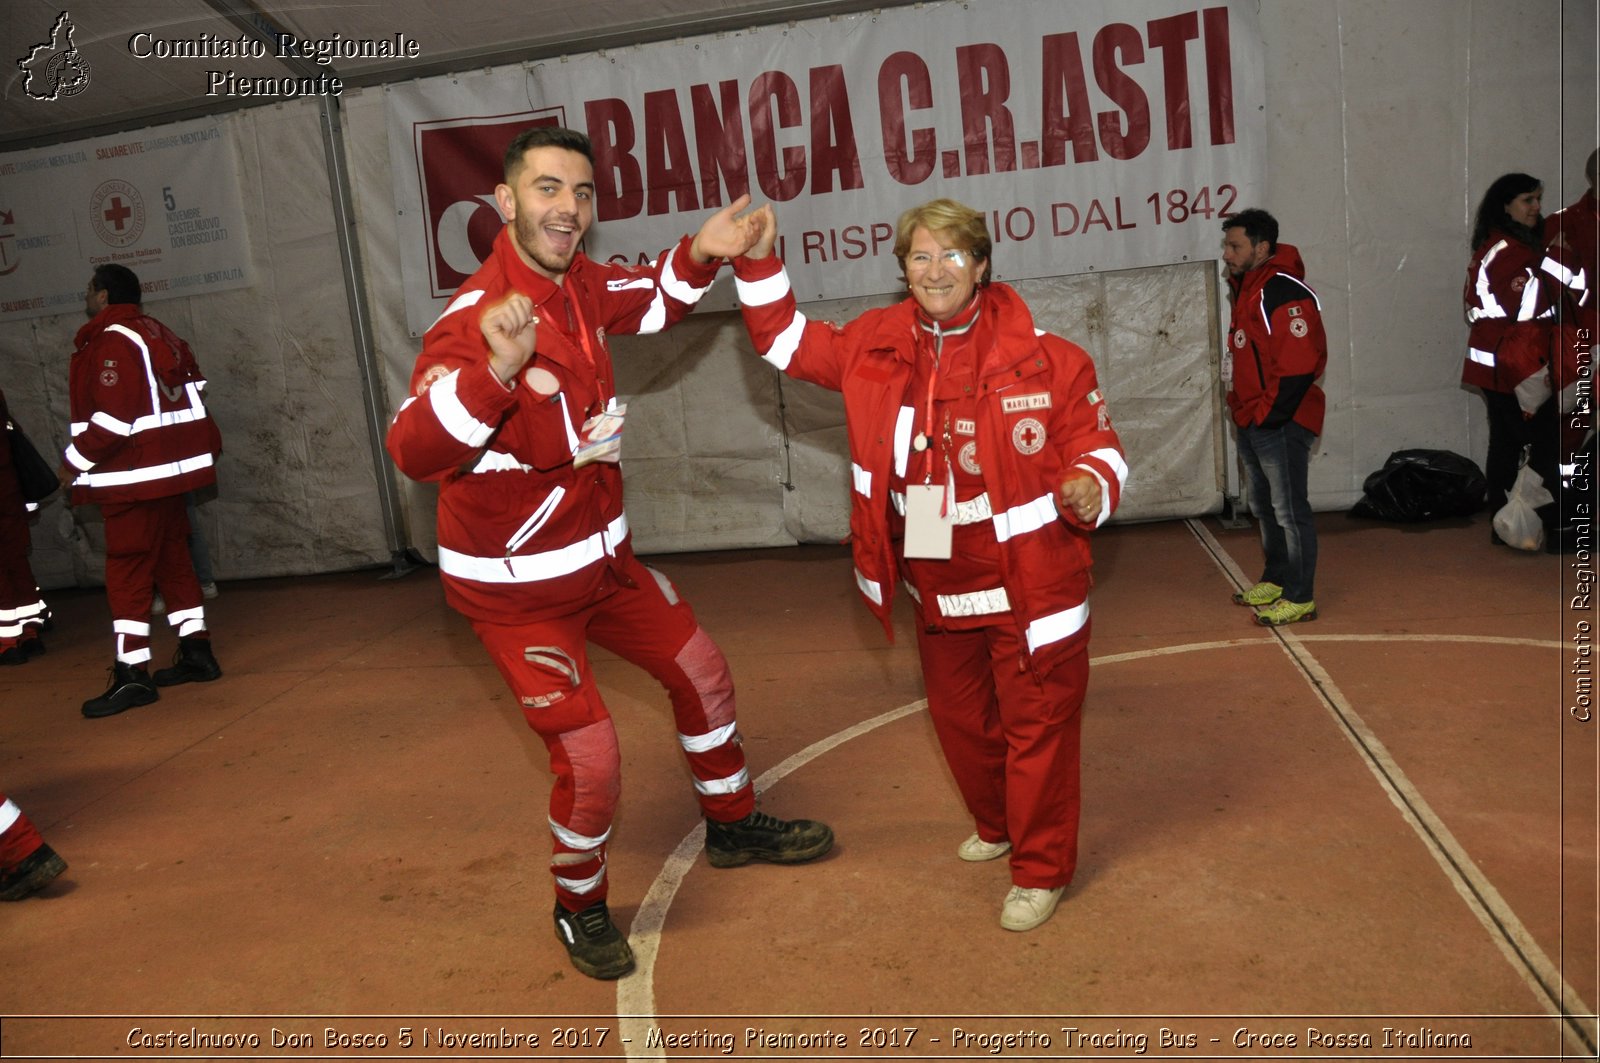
{"x": 1418, "y": 485}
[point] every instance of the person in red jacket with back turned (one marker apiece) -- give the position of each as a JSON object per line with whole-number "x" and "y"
{"x": 141, "y": 437}
{"x": 982, "y": 457}
{"x": 514, "y": 412}
{"x": 1277, "y": 351}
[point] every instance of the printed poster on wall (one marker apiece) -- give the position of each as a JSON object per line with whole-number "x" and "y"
{"x": 1094, "y": 136}
{"x": 164, "y": 202}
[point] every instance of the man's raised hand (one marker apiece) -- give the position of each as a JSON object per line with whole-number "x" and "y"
{"x": 509, "y": 327}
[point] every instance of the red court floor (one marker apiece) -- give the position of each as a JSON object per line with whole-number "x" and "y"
{"x": 1372, "y": 836}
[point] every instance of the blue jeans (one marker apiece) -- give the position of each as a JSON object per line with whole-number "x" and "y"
{"x": 1277, "y": 461}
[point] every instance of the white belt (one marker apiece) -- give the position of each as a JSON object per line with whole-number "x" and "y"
{"x": 972, "y": 511}
{"x": 531, "y": 568}
{"x": 975, "y": 603}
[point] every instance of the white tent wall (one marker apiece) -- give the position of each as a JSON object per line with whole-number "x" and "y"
{"x": 1385, "y": 123}
{"x": 296, "y": 482}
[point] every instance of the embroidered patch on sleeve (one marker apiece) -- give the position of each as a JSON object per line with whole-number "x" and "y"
{"x": 433, "y": 374}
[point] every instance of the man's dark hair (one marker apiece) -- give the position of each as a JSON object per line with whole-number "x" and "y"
{"x": 544, "y": 136}
{"x": 120, "y": 284}
{"x": 1257, "y": 224}
{"x": 1492, "y": 210}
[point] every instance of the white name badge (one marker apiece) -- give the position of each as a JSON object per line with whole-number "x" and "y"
{"x": 927, "y": 528}
{"x": 602, "y": 437}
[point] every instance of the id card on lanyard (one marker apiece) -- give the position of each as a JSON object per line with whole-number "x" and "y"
{"x": 601, "y": 436}
{"x": 930, "y": 521}
{"x": 930, "y": 507}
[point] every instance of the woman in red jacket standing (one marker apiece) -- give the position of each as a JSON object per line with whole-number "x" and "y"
{"x": 1513, "y": 295}
{"x": 982, "y": 456}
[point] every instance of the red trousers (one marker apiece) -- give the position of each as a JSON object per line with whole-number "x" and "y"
{"x": 21, "y": 604}
{"x": 147, "y": 546}
{"x": 1011, "y": 740}
{"x": 546, "y": 665}
{"x": 18, "y": 838}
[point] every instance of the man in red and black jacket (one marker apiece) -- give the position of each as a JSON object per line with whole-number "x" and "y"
{"x": 514, "y": 412}
{"x": 1277, "y": 350}
{"x": 141, "y": 438}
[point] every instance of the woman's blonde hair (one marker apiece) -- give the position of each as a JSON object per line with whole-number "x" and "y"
{"x": 959, "y": 222}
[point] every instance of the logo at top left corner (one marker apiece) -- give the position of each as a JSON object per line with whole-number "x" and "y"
{"x": 55, "y": 69}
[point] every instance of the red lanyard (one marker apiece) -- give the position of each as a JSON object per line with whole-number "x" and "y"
{"x": 927, "y": 419}
{"x": 585, "y": 342}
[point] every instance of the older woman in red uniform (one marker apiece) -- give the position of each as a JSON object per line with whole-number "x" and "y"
{"x": 982, "y": 457}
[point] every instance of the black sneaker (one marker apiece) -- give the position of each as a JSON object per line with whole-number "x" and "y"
{"x": 130, "y": 686}
{"x": 193, "y": 663}
{"x": 36, "y": 871}
{"x": 759, "y": 836}
{"x": 596, "y": 946}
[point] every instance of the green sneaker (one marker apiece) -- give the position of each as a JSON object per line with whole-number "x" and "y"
{"x": 1283, "y": 611}
{"x": 1261, "y": 594}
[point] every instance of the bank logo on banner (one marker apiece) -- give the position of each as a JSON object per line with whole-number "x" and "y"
{"x": 55, "y": 68}
{"x": 460, "y": 161}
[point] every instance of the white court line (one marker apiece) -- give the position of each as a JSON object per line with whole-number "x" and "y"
{"x": 636, "y": 994}
{"x": 636, "y": 1004}
{"x": 1505, "y": 929}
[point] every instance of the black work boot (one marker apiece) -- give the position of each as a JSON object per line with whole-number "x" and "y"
{"x": 594, "y": 943}
{"x": 759, "y": 836}
{"x": 130, "y": 686}
{"x": 193, "y": 663}
{"x": 34, "y": 873}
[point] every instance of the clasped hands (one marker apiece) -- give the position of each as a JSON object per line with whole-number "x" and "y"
{"x": 510, "y": 326}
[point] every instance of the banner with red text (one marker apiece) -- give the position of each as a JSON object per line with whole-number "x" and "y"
{"x": 1096, "y": 135}
{"x": 164, "y": 202}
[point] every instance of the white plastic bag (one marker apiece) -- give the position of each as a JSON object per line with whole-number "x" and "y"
{"x": 1516, "y": 523}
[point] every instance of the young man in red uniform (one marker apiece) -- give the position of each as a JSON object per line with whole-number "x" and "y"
{"x": 514, "y": 412}
{"x": 141, "y": 438}
{"x": 982, "y": 456}
{"x": 1278, "y": 350}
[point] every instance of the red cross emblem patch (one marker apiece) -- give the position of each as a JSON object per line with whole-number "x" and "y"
{"x": 1028, "y": 435}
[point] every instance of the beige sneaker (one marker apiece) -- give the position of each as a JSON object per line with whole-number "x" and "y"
{"x": 976, "y": 850}
{"x": 1025, "y": 908}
